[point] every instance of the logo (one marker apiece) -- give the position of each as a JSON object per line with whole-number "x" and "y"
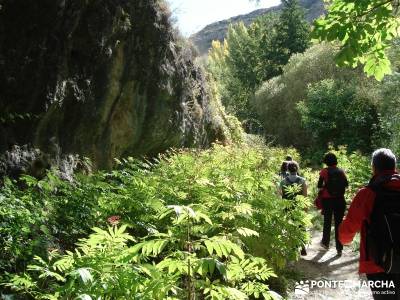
{"x": 302, "y": 288}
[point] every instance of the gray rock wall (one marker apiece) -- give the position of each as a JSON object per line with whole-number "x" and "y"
{"x": 102, "y": 79}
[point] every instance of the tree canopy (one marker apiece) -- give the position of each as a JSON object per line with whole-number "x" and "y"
{"x": 364, "y": 29}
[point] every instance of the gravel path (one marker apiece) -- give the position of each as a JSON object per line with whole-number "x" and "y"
{"x": 323, "y": 267}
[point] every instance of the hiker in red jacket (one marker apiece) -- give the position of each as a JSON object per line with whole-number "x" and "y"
{"x": 332, "y": 184}
{"x": 369, "y": 213}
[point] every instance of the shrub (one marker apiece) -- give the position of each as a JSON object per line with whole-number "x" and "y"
{"x": 333, "y": 112}
{"x": 37, "y": 215}
{"x": 276, "y": 99}
{"x": 184, "y": 262}
{"x": 241, "y": 192}
{"x": 235, "y": 186}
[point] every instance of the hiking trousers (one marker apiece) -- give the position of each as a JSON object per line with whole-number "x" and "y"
{"x": 381, "y": 287}
{"x": 333, "y": 207}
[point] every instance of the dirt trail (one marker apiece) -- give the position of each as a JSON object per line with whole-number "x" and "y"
{"x": 324, "y": 266}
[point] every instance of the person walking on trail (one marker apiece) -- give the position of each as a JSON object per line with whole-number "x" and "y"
{"x": 284, "y": 167}
{"x": 332, "y": 184}
{"x": 290, "y": 180}
{"x": 375, "y": 211}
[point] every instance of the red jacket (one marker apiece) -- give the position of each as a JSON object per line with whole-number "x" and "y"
{"x": 359, "y": 212}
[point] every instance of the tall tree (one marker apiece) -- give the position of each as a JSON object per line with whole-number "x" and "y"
{"x": 239, "y": 67}
{"x": 242, "y": 57}
{"x": 291, "y": 35}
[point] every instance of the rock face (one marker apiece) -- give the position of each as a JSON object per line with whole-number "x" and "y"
{"x": 29, "y": 161}
{"x": 102, "y": 79}
{"x": 218, "y": 30}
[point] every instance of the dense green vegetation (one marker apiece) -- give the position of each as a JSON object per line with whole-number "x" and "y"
{"x": 334, "y": 111}
{"x": 251, "y": 55}
{"x": 310, "y": 102}
{"x": 365, "y": 30}
{"x": 167, "y": 229}
{"x": 170, "y": 243}
{"x": 211, "y": 224}
{"x": 276, "y": 100}
{"x": 328, "y": 105}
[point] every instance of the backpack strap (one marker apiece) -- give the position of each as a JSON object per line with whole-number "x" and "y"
{"x": 297, "y": 180}
{"x": 377, "y": 183}
{"x": 288, "y": 181}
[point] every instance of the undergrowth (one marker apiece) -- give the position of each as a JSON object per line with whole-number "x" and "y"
{"x": 189, "y": 224}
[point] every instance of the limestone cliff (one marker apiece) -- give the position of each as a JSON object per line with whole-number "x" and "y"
{"x": 103, "y": 79}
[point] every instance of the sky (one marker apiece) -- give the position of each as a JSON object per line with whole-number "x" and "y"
{"x": 194, "y": 15}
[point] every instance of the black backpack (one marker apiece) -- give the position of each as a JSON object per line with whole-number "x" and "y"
{"x": 383, "y": 230}
{"x": 288, "y": 182}
{"x": 337, "y": 182}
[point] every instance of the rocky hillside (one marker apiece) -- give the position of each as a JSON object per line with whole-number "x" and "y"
{"x": 102, "y": 79}
{"x": 217, "y": 31}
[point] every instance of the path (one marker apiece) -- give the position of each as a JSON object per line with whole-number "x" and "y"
{"x": 325, "y": 267}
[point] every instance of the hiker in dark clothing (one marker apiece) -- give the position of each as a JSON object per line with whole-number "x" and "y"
{"x": 375, "y": 211}
{"x": 332, "y": 184}
{"x": 293, "y": 179}
{"x": 284, "y": 167}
